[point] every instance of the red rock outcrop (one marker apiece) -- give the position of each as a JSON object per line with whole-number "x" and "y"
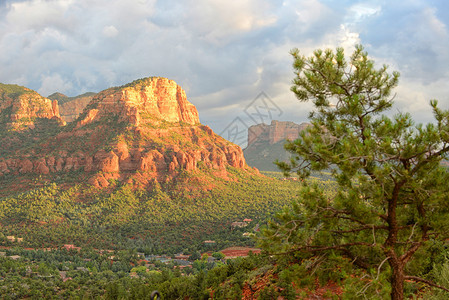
{"x": 71, "y": 110}
{"x": 152, "y": 99}
{"x": 160, "y": 138}
{"x": 71, "y": 107}
{"x": 273, "y": 133}
{"x": 20, "y": 107}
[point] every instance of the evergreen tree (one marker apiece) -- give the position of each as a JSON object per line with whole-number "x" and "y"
{"x": 392, "y": 195}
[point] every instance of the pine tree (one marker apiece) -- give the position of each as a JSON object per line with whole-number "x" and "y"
{"x": 392, "y": 195}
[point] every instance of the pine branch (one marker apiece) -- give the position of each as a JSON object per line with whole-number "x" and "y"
{"x": 428, "y": 282}
{"x": 366, "y": 227}
{"x": 335, "y": 247}
{"x": 313, "y": 249}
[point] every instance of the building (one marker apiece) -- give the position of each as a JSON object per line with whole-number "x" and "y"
{"x": 71, "y": 247}
{"x": 238, "y": 225}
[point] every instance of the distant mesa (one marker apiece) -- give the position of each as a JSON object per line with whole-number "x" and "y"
{"x": 140, "y": 133}
{"x": 266, "y": 143}
{"x": 61, "y": 98}
{"x": 71, "y": 107}
{"x": 275, "y": 132}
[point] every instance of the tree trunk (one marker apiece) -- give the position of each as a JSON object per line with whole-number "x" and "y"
{"x": 397, "y": 280}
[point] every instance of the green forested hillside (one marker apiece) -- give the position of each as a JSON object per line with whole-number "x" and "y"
{"x": 122, "y": 274}
{"x": 262, "y": 157}
{"x": 64, "y": 99}
{"x": 165, "y": 218}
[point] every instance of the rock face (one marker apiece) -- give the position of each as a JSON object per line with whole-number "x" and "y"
{"x": 71, "y": 107}
{"x": 21, "y": 107}
{"x": 139, "y": 133}
{"x": 273, "y": 133}
{"x": 156, "y": 99}
{"x": 266, "y": 143}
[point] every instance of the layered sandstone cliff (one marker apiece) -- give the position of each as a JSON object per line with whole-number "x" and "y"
{"x": 266, "y": 143}
{"x": 139, "y": 133}
{"x": 153, "y": 99}
{"x": 21, "y": 107}
{"x": 273, "y": 133}
{"x": 71, "y": 107}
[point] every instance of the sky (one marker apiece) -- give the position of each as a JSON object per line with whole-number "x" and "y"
{"x": 230, "y": 56}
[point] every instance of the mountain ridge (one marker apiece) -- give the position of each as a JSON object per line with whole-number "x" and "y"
{"x": 71, "y": 107}
{"x": 266, "y": 143}
{"x": 143, "y": 132}
{"x": 20, "y": 107}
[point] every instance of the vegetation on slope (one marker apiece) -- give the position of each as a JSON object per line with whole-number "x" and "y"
{"x": 263, "y": 157}
{"x": 12, "y": 90}
{"x": 380, "y": 229}
{"x": 64, "y": 99}
{"x": 166, "y": 217}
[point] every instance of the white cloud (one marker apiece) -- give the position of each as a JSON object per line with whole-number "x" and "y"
{"x": 217, "y": 22}
{"x": 52, "y": 83}
{"x": 358, "y": 12}
{"x": 38, "y": 14}
{"x": 348, "y": 40}
{"x": 224, "y": 53}
{"x": 110, "y": 31}
{"x": 309, "y": 12}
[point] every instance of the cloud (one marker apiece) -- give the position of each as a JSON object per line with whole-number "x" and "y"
{"x": 413, "y": 39}
{"x": 110, "y": 31}
{"x": 53, "y": 82}
{"x": 223, "y": 53}
{"x": 413, "y": 36}
{"x": 39, "y": 14}
{"x": 216, "y": 22}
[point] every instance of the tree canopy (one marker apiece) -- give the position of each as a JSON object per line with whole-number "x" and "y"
{"x": 392, "y": 197}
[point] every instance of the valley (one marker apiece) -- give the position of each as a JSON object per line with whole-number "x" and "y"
{"x": 124, "y": 192}
{"x": 134, "y": 170}
{"x": 126, "y": 171}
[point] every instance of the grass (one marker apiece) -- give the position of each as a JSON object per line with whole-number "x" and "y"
{"x": 12, "y": 90}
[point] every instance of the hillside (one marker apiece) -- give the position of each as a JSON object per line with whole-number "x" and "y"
{"x": 135, "y": 169}
{"x": 139, "y": 133}
{"x": 266, "y": 143}
{"x": 71, "y": 107}
{"x": 22, "y": 108}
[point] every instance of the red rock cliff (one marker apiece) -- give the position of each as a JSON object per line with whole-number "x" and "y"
{"x": 20, "y": 107}
{"x": 143, "y": 132}
{"x": 273, "y": 133}
{"x": 152, "y": 98}
{"x": 70, "y": 110}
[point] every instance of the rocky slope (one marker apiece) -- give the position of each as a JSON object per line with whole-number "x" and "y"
{"x": 273, "y": 133}
{"x": 266, "y": 143}
{"x": 21, "y": 108}
{"x": 71, "y": 107}
{"x": 141, "y": 133}
{"x": 154, "y": 99}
